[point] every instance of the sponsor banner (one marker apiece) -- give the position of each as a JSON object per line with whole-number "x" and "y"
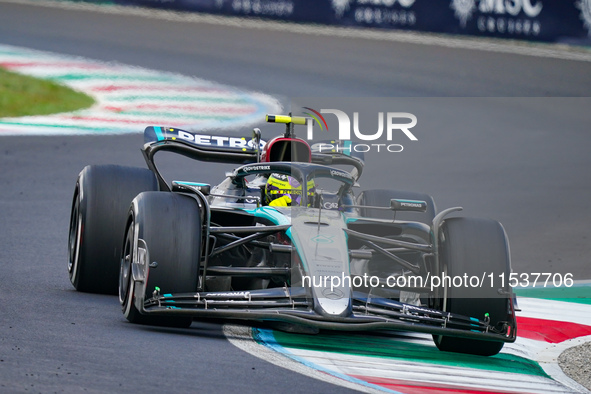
{"x": 524, "y": 19}
{"x": 540, "y": 20}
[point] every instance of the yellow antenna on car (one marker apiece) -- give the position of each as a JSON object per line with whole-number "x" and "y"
{"x": 289, "y": 121}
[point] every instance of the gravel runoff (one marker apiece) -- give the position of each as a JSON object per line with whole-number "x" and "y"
{"x": 576, "y": 364}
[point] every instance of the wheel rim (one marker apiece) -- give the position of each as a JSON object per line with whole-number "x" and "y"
{"x": 74, "y": 239}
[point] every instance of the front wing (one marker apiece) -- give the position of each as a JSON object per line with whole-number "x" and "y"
{"x": 293, "y": 306}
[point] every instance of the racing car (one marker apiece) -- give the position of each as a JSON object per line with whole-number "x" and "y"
{"x": 328, "y": 258}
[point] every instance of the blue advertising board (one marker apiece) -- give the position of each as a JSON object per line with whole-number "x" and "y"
{"x": 540, "y": 20}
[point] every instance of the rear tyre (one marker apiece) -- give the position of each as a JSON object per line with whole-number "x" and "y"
{"x": 474, "y": 247}
{"x": 97, "y": 223}
{"x": 170, "y": 226}
{"x": 382, "y": 197}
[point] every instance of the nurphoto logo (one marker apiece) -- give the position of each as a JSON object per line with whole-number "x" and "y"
{"x": 391, "y": 125}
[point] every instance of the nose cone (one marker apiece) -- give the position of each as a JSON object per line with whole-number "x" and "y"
{"x": 322, "y": 246}
{"x": 333, "y": 301}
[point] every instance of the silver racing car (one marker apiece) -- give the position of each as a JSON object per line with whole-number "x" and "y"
{"x": 284, "y": 239}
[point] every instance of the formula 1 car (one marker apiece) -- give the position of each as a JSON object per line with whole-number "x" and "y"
{"x": 379, "y": 260}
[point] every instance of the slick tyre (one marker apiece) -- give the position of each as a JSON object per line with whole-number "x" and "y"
{"x": 382, "y": 197}
{"x": 97, "y": 223}
{"x": 475, "y": 247}
{"x": 169, "y": 226}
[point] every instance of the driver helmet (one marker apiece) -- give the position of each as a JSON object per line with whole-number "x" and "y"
{"x": 284, "y": 190}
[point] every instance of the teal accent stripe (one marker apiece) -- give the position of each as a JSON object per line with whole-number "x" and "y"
{"x": 159, "y": 135}
{"x": 192, "y": 183}
{"x": 278, "y": 219}
{"x": 348, "y": 146}
{"x": 270, "y": 214}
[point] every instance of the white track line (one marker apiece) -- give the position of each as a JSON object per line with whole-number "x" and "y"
{"x": 539, "y": 308}
{"x": 241, "y": 337}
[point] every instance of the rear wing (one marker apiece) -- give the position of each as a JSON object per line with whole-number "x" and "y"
{"x": 197, "y": 146}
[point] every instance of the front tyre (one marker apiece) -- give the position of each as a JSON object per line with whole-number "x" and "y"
{"x": 168, "y": 227}
{"x": 97, "y": 223}
{"x": 475, "y": 247}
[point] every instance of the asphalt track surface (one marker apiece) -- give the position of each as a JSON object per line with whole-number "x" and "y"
{"x": 524, "y": 162}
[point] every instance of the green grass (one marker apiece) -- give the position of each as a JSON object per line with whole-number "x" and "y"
{"x": 21, "y": 95}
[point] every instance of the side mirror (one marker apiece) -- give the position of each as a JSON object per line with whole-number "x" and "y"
{"x": 180, "y": 186}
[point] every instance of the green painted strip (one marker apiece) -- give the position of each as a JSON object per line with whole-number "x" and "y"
{"x": 8, "y": 51}
{"x": 177, "y": 98}
{"x": 391, "y": 348}
{"x": 174, "y": 115}
{"x": 102, "y": 3}
{"x": 108, "y": 77}
{"x": 61, "y": 126}
{"x": 579, "y": 294}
